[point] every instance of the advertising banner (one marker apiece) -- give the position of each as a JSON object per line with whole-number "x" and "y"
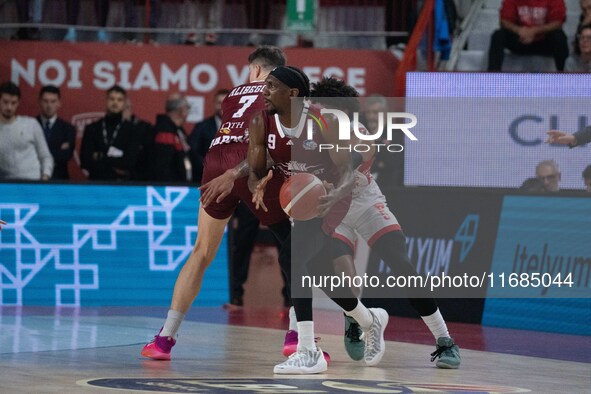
{"x": 489, "y": 130}
{"x": 91, "y": 245}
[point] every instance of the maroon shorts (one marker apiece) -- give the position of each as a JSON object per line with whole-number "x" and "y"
{"x": 226, "y": 156}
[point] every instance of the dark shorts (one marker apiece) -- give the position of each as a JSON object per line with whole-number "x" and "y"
{"x": 226, "y": 156}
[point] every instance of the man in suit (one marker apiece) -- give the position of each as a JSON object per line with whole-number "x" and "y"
{"x": 203, "y": 134}
{"x": 110, "y": 146}
{"x": 59, "y": 134}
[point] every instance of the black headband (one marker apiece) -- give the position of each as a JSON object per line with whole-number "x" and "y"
{"x": 293, "y": 79}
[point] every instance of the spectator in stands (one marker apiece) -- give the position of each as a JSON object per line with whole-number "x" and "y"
{"x": 209, "y": 15}
{"x": 131, "y": 19}
{"x": 171, "y": 160}
{"x": 548, "y": 173}
{"x": 203, "y": 133}
{"x": 532, "y": 185}
{"x": 145, "y": 136}
{"x": 530, "y": 27}
{"x": 585, "y": 18}
{"x": 23, "y": 151}
{"x": 587, "y": 178}
{"x": 59, "y": 134}
{"x": 29, "y": 12}
{"x": 581, "y": 60}
{"x": 110, "y": 146}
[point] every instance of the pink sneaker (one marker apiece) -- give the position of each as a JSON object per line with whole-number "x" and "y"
{"x": 159, "y": 348}
{"x": 290, "y": 345}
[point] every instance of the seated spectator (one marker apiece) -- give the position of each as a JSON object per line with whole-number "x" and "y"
{"x": 59, "y": 134}
{"x": 171, "y": 161}
{"x": 581, "y": 60}
{"x": 29, "y": 12}
{"x": 585, "y": 18}
{"x": 532, "y": 185}
{"x": 110, "y": 146}
{"x": 548, "y": 173}
{"x": 530, "y": 27}
{"x": 23, "y": 150}
{"x": 587, "y": 178}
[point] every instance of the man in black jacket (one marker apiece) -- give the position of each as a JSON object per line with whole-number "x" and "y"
{"x": 59, "y": 134}
{"x": 110, "y": 145}
{"x": 170, "y": 159}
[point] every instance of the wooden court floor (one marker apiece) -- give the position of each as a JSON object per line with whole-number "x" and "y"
{"x": 96, "y": 350}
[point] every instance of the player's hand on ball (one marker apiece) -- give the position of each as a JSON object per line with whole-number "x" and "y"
{"x": 326, "y": 202}
{"x": 259, "y": 193}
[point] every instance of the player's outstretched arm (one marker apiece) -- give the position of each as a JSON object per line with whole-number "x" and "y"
{"x": 2, "y": 223}
{"x": 560, "y": 137}
{"x": 257, "y": 160}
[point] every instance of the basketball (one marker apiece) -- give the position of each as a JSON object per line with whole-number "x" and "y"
{"x": 299, "y": 196}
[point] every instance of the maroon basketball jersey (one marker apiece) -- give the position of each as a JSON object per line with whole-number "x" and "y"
{"x": 237, "y": 108}
{"x": 293, "y": 152}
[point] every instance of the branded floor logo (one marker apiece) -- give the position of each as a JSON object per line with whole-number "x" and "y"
{"x": 266, "y": 385}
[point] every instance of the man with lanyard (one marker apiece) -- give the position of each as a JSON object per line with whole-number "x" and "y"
{"x": 110, "y": 146}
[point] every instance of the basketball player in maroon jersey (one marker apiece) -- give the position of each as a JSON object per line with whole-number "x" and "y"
{"x": 370, "y": 218}
{"x": 227, "y": 151}
{"x": 280, "y": 131}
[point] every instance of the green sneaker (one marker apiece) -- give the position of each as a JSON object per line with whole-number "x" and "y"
{"x": 354, "y": 346}
{"x": 448, "y": 353}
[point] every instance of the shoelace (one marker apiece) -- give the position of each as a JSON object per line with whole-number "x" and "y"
{"x": 439, "y": 352}
{"x": 354, "y": 333}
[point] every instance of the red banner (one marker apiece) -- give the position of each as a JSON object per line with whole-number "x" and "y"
{"x": 84, "y": 71}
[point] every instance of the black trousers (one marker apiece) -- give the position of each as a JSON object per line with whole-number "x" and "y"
{"x": 243, "y": 243}
{"x": 554, "y": 45}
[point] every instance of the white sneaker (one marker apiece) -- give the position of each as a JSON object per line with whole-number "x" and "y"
{"x": 374, "y": 337}
{"x": 304, "y": 361}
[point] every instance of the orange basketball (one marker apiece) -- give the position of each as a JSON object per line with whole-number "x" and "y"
{"x": 299, "y": 196}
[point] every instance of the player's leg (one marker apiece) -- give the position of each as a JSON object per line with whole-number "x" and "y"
{"x": 244, "y": 239}
{"x": 373, "y": 321}
{"x": 210, "y": 232}
{"x": 391, "y": 247}
{"x": 307, "y": 239}
{"x": 343, "y": 262}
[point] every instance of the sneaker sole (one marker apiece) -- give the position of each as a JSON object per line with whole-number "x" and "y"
{"x": 444, "y": 365}
{"x": 383, "y": 317}
{"x": 156, "y": 355}
{"x": 321, "y": 367}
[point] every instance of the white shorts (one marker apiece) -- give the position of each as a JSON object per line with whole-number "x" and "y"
{"x": 369, "y": 216}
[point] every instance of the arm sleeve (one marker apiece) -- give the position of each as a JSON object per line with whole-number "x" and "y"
{"x": 556, "y": 11}
{"x": 509, "y": 11}
{"x": 87, "y": 150}
{"x": 583, "y": 136}
{"x": 43, "y": 152}
{"x": 63, "y": 155}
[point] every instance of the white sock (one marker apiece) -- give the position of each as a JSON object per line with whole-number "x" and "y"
{"x": 306, "y": 335}
{"x": 362, "y": 315}
{"x": 436, "y": 324}
{"x": 172, "y": 323}
{"x": 293, "y": 321}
